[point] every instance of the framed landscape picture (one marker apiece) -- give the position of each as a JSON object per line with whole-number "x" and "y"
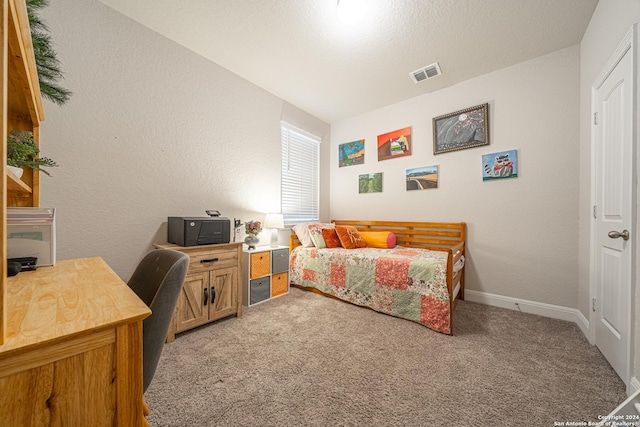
{"x": 394, "y": 144}
{"x": 370, "y": 183}
{"x": 463, "y": 129}
{"x": 351, "y": 153}
{"x": 422, "y": 178}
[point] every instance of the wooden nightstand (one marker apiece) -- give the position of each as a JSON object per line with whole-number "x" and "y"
{"x": 211, "y": 289}
{"x": 266, "y": 274}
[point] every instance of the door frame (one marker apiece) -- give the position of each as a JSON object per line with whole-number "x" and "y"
{"x": 628, "y": 44}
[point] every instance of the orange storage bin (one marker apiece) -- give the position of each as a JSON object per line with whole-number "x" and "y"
{"x": 260, "y": 264}
{"x": 279, "y": 284}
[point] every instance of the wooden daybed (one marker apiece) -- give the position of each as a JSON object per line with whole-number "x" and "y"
{"x": 323, "y": 271}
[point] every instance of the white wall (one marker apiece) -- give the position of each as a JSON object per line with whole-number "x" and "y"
{"x": 152, "y": 130}
{"x": 522, "y": 232}
{"x": 609, "y": 24}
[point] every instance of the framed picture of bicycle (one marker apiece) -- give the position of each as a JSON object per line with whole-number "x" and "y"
{"x": 462, "y": 129}
{"x": 394, "y": 144}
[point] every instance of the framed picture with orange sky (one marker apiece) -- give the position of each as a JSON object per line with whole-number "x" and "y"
{"x": 394, "y": 144}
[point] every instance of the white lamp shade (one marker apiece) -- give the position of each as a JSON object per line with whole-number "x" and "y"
{"x": 274, "y": 220}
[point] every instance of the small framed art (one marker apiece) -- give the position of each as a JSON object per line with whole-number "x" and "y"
{"x": 351, "y": 153}
{"x": 394, "y": 144}
{"x": 370, "y": 183}
{"x": 422, "y": 178}
{"x": 500, "y": 165}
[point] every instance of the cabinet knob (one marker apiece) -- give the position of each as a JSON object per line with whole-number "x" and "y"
{"x": 206, "y": 296}
{"x": 209, "y": 260}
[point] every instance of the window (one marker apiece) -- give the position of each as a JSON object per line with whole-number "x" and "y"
{"x": 300, "y": 175}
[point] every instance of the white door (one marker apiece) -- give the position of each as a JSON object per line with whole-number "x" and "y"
{"x": 613, "y": 211}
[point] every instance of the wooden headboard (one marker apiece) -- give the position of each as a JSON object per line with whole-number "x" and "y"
{"x": 426, "y": 235}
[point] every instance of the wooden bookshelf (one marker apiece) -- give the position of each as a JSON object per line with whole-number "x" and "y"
{"x": 21, "y": 106}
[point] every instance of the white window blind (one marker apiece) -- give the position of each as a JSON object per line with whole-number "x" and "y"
{"x": 300, "y": 175}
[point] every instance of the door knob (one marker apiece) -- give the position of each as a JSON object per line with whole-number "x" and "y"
{"x": 617, "y": 234}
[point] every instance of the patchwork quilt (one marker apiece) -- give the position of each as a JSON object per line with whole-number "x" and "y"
{"x": 408, "y": 283}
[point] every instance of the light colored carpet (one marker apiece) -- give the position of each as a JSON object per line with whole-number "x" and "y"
{"x": 306, "y": 360}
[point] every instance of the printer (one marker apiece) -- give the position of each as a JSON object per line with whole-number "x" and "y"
{"x": 193, "y": 231}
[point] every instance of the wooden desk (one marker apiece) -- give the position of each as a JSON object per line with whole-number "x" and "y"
{"x": 73, "y": 349}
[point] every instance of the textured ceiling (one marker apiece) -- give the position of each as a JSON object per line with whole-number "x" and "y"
{"x": 297, "y": 49}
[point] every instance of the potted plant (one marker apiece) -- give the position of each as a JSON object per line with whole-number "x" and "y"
{"x": 252, "y": 228}
{"x": 22, "y": 150}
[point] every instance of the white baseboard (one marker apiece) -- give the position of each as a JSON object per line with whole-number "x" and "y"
{"x": 532, "y": 307}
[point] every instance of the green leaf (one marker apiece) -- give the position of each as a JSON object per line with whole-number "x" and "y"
{"x": 47, "y": 64}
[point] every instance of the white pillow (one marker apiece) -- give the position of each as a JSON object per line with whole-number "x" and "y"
{"x": 315, "y": 231}
{"x": 302, "y": 231}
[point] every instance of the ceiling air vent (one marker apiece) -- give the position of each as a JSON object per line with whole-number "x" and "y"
{"x": 425, "y": 72}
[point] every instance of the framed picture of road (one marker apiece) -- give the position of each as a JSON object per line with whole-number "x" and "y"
{"x": 463, "y": 129}
{"x": 394, "y": 144}
{"x": 422, "y": 178}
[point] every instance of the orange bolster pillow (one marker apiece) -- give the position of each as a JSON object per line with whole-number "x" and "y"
{"x": 379, "y": 239}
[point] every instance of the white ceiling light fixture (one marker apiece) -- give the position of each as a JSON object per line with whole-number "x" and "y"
{"x": 350, "y": 12}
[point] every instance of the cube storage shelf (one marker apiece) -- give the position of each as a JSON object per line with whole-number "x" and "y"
{"x": 266, "y": 274}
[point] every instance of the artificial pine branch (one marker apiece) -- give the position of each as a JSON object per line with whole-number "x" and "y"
{"x": 55, "y": 93}
{"x": 47, "y": 63}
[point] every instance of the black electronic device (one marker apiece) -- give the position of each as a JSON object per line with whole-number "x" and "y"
{"x": 13, "y": 268}
{"x": 193, "y": 231}
{"x": 26, "y": 263}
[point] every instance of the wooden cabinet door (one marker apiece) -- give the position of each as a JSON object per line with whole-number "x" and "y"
{"x": 224, "y": 285}
{"x": 191, "y": 310}
{"x": 76, "y": 387}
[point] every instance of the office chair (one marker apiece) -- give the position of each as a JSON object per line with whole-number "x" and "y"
{"x": 157, "y": 281}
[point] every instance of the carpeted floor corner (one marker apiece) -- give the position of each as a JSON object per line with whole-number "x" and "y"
{"x": 307, "y": 360}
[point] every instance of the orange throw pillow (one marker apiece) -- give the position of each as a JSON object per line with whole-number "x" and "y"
{"x": 349, "y": 237}
{"x": 315, "y": 231}
{"x": 330, "y": 237}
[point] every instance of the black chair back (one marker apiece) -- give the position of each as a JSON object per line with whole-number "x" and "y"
{"x": 157, "y": 281}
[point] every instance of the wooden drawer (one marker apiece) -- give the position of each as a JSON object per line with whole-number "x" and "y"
{"x": 208, "y": 259}
{"x": 260, "y": 264}
{"x": 279, "y": 284}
